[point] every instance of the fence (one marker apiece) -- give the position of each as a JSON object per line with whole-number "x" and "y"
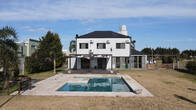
{"x": 16, "y": 85}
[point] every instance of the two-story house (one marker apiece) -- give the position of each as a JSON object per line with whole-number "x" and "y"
{"x": 106, "y": 50}
{"x": 26, "y": 49}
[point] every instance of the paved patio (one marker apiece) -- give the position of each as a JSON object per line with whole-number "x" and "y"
{"x": 49, "y": 86}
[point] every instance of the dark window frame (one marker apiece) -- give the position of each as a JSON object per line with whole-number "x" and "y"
{"x": 120, "y": 45}
{"x": 86, "y": 45}
{"x": 104, "y": 45}
{"x": 33, "y": 46}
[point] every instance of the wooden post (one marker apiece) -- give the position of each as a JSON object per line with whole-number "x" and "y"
{"x": 30, "y": 84}
{"x": 19, "y": 87}
{"x": 69, "y": 62}
{"x": 173, "y": 66}
{"x": 111, "y": 62}
{"x": 173, "y": 63}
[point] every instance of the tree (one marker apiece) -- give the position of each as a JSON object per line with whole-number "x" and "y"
{"x": 8, "y": 52}
{"x": 188, "y": 53}
{"x": 55, "y": 51}
{"x": 147, "y": 51}
{"x": 48, "y": 55}
{"x": 72, "y": 46}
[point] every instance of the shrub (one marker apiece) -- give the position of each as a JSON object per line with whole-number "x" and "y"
{"x": 28, "y": 65}
{"x": 167, "y": 60}
{"x": 191, "y": 67}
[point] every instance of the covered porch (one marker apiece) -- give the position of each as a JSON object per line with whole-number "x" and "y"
{"x": 97, "y": 63}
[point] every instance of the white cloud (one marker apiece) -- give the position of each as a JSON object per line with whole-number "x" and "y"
{"x": 94, "y": 9}
{"x": 84, "y": 21}
{"x": 41, "y": 29}
{"x": 181, "y": 40}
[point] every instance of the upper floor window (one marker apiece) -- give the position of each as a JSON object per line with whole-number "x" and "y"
{"x": 120, "y": 45}
{"x": 32, "y": 46}
{"x": 83, "y": 45}
{"x": 101, "y": 45}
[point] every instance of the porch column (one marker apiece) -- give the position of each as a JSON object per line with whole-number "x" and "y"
{"x": 91, "y": 62}
{"x": 69, "y": 63}
{"x": 122, "y": 62}
{"x": 111, "y": 62}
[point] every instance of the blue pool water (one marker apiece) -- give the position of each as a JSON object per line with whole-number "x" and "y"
{"x": 110, "y": 84}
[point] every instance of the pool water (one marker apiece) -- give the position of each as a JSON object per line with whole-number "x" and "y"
{"x": 110, "y": 84}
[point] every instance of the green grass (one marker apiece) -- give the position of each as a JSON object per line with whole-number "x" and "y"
{"x": 7, "y": 91}
{"x": 44, "y": 75}
{"x": 190, "y": 77}
{"x": 39, "y": 76}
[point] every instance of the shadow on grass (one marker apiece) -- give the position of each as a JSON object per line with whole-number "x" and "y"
{"x": 185, "y": 71}
{"x": 191, "y": 89}
{"x": 1, "y": 105}
{"x": 184, "y": 98}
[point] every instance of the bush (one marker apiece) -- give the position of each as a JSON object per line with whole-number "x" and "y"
{"x": 36, "y": 64}
{"x": 191, "y": 67}
{"x": 167, "y": 60}
{"x": 28, "y": 65}
{"x": 16, "y": 71}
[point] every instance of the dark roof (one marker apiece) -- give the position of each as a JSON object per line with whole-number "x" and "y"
{"x": 103, "y": 34}
{"x": 34, "y": 40}
{"x": 136, "y": 52}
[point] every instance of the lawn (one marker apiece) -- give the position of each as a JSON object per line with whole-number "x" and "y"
{"x": 172, "y": 90}
{"x": 37, "y": 76}
{"x": 44, "y": 75}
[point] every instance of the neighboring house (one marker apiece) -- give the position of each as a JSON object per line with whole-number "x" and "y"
{"x": 26, "y": 49}
{"x": 66, "y": 52}
{"x": 106, "y": 50}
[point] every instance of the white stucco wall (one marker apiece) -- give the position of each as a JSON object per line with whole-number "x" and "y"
{"x": 31, "y": 50}
{"x": 73, "y": 62}
{"x": 112, "y": 45}
{"x": 109, "y": 63}
{"x": 27, "y": 51}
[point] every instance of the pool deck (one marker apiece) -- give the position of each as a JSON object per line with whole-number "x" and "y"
{"x": 49, "y": 86}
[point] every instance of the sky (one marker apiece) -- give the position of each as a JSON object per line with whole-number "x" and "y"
{"x": 152, "y": 23}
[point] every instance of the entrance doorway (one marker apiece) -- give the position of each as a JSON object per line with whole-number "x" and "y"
{"x": 102, "y": 62}
{"x": 85, "y": 63}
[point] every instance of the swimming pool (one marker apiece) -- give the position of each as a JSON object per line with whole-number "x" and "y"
{"x": 99, "y": 84}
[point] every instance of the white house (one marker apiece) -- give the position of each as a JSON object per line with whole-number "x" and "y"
{"x": 26, "y": 49}
{"x": 106, "y": 50}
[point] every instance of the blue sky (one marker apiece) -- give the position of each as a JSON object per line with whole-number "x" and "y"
{"x": 152, "y": 23}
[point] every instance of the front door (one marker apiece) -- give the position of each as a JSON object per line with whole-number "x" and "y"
{"x": 102, "y": 62}
{"x": 85, "y": 63}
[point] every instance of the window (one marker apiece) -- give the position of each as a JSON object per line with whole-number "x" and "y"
{"x": 120, "y": 45}
{"x": 126, "y": 62}
{"x": 83, "y": 45}
{"x": 22, "y": 50}
{"x": 32, "y": 46}
{"x": 117, "y": 62}
{"x": 137, "y": 61}
{"x": 140, "y": 61}
{"x": 101, "y": 46}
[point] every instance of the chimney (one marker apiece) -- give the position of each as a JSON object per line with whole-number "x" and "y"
{"x": 76, "y": 35}
{"x": 123, "y": 30}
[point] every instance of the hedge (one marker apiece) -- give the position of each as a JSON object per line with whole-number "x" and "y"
{"x": 191, "y": 67}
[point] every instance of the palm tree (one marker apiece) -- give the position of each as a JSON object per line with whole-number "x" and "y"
{"x": 8, "y": 52}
